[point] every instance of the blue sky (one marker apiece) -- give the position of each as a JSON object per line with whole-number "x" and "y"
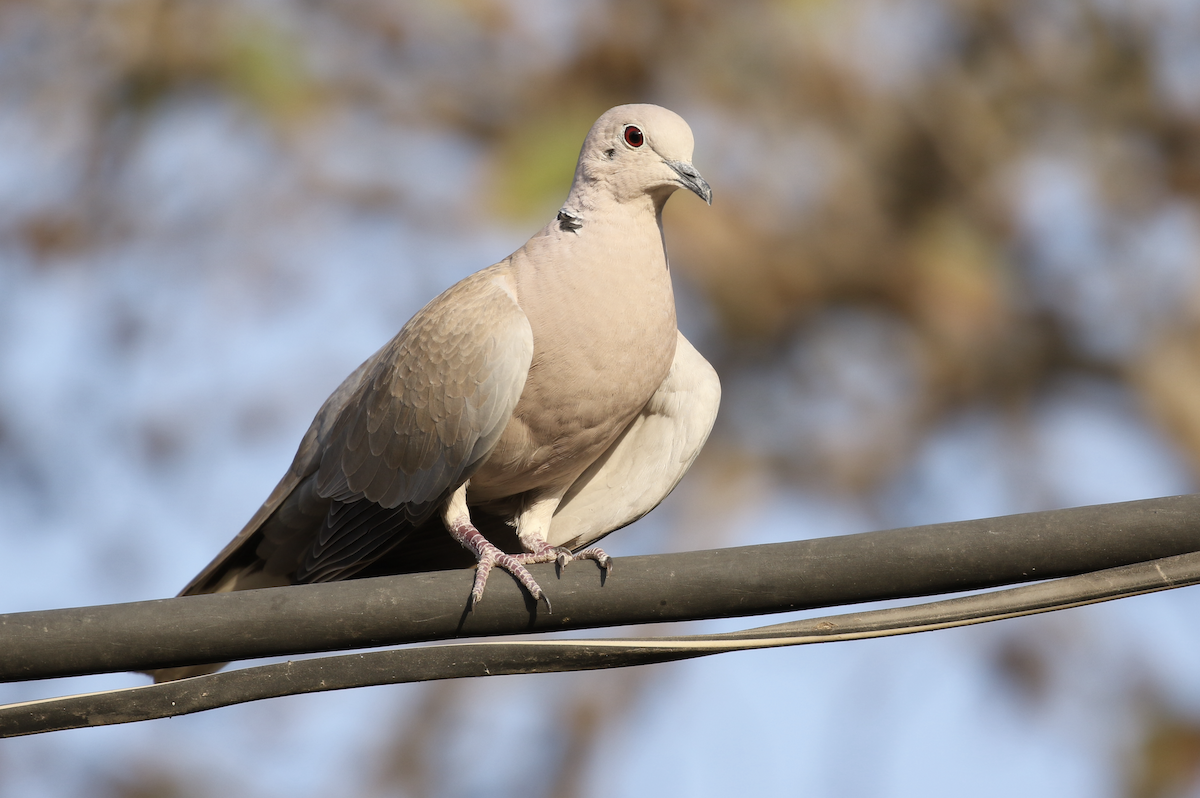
{"x": 153, "y": 389}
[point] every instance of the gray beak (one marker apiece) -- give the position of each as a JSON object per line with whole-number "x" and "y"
{"x": 690, "y": 179}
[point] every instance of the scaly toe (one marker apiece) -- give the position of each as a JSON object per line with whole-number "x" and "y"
{"x": 515, "y": 567}
{"x": 486, "y": 561}
{"x": 602, "y": 559}
{"x": 562, "y": 558}
{"x": 491, "y": 557}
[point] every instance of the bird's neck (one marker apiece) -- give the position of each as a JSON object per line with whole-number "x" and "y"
{"x": 585, "y": 199}
{"x": 608, "y": 264}
{"x": 604, "y": 242}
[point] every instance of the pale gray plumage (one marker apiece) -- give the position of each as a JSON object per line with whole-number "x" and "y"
{"x": 549, "y": 395}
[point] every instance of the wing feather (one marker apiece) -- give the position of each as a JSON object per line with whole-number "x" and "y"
{"x": 428, "y": 414}
{"x": 410, "y": 425}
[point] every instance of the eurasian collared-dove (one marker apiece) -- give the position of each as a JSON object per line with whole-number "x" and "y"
{"x": 549, "y": 395}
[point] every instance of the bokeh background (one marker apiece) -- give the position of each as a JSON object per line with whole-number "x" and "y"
{"x": 950, "y": 272}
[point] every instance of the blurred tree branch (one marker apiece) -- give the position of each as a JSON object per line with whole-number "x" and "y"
{"x": 904, "y": 156}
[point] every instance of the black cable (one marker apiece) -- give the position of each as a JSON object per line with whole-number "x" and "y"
{"x": 721, "y": 583}
{"x": 494, "y": 658}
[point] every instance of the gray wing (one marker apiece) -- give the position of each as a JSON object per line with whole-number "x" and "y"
{"x": 421, "y": 422}
{"x": 308, "y": 456}
{"x": 435, "y": 403}
{"x": 400, "y": 434}
{"x": 648, "y": 460}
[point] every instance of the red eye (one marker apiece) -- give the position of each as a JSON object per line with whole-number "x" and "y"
{"x": 633, "y": 136}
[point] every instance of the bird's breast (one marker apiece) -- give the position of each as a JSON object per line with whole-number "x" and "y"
{"x": 604, "y": 339}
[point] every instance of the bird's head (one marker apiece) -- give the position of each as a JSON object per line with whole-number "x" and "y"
{"x": 635, "y": 151}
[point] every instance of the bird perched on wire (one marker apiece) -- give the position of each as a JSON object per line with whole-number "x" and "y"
{"x": 547, "y": 400}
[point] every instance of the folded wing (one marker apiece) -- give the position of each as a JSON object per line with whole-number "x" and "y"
{"x": 401, "y": 433}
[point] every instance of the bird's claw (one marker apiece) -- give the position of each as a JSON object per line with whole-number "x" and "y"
{"x": 489, "y": 557}
{"x": 561, "y": 556}
{"x": 602, "y": 559}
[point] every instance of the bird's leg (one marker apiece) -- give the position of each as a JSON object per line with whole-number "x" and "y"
{"x": 458, "y": 522}
{"x": 533, "y": 526}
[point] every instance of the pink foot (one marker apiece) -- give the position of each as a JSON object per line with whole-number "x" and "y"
{"x": 489, "y": 556}
{"x": 562, "y": 557}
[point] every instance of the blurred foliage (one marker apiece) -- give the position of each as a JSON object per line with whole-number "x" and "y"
{"x": 155, "y": 48}
{"x": 1168, "y": 761}
{"x": 147, "y": 783}
{"x": 882, "y": 199}
{"x": 853, "y": 167}
{"x": 530, "y": 183}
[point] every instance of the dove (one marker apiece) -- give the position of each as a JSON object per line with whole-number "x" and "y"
{"x": 520, "y": 416}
